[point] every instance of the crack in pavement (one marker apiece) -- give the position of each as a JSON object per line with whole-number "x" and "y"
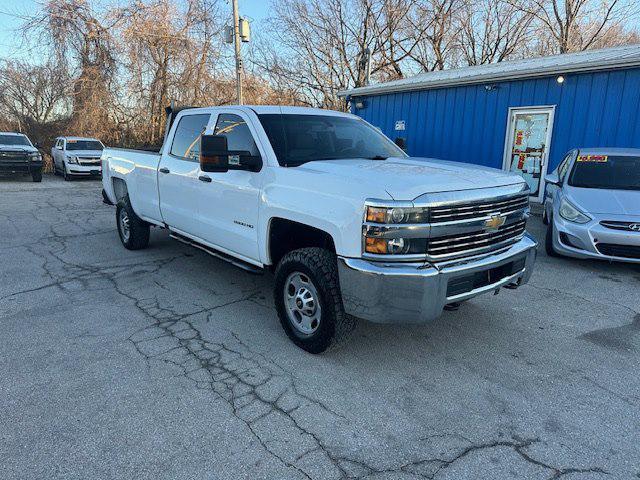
{"x": 286, "y": 422}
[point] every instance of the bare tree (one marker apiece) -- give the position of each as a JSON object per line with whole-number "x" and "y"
{"x": 490, "y": 31}
{"x": 575, "y": 25}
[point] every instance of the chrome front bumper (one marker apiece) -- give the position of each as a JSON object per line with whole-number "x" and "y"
{"x": 418, "y": 292}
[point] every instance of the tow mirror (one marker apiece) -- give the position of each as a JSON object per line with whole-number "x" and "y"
{"x": 214, "y": 154}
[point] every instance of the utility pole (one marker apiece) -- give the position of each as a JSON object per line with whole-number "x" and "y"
{"x": 236, "y": 41}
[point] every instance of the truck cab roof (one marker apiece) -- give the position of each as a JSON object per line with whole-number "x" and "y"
{"x": 272, "y": 109}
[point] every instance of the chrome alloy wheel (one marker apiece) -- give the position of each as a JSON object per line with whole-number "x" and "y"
{"x": 125, "y": 225}
{"x": 302, "y": 302}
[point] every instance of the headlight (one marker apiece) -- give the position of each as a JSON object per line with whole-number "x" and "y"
{"x": 72, "y": 159}
{"x": 35, "y": 156}
{"x": 571, "y": 213}
{"x": 397, "y": 214}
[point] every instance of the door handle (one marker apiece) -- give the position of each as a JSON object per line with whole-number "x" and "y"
{"x": 204, "y": 178}
{"x": 164, "y": 170}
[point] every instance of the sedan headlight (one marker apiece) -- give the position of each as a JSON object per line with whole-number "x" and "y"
{"x": 72, "y": 159}
{"x": 571, "y": 213}
{"x": 395, "y": 215}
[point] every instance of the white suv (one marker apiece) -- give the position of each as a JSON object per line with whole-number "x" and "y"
{"x": 77, "y": 156}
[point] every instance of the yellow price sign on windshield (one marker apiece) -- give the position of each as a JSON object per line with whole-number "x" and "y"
{"x": 593, "y": 158}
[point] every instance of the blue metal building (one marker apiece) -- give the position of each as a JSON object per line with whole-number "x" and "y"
{"x": 519, "y": 115}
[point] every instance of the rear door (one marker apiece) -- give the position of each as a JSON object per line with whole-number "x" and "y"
{"x": 178, "y": 174}
{"x": 228, "y": 202}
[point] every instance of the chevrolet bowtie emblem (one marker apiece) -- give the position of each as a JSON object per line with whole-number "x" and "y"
{"x": 495, "y": 222}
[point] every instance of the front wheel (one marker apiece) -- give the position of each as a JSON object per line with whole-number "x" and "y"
{"x": 133, "y": 231}
{"x": 308, "y": 300}
{"x": 36, "y": 175}
{"x": 548, "y": 241}
{"x": 65, "y": 174}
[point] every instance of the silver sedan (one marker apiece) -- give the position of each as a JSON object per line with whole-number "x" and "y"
{"x": 592, "y": 205}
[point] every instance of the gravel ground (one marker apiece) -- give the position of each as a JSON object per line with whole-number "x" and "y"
{"x": 167, "y": 363}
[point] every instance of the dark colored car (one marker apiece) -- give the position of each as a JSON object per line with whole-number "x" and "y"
{"x": 19, "y": 156}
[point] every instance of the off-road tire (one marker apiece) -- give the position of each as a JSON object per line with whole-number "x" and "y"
{"x": 321, "y": 267}
{"x": 36, "y": 175}
{"x": 138, "y": 236}
{"x": 548, "y": 241}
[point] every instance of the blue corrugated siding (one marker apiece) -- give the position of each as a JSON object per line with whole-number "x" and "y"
{"x": 468, "y": 123}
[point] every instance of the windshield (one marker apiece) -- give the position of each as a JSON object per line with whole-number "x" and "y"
{"x": 297, "y": 139}
{"x": 19, "y": 140}
{"x": 84, "y": 145}
{"x": 606, "y": 171}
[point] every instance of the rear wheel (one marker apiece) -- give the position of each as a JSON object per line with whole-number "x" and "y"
{"x": 133, "y": 231}
{"x": 36, "y": 175}
{"x": 308, "y": 301}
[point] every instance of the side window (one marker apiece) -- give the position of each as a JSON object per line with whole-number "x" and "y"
{"x": 237, "y": 132}
{"x": 564, "y": 165}
{"x": 186, "y": 141}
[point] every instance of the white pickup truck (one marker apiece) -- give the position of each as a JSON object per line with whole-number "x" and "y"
{"x": 352, "y": 226}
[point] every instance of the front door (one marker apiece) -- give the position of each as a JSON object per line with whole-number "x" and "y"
{"x": 527, "y": 148}
{"x": 228, "y": 202}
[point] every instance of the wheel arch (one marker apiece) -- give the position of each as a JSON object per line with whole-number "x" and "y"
{"x": 285, "y": 235}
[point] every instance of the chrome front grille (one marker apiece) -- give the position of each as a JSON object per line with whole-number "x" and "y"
{"x": 477, "y": 242}
{"x": 89, "y": 161}
{"x": 466, "y": 211}
{"x": 452, "y": 230}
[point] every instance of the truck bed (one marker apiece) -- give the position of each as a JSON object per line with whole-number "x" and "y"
{"x": 139, "y": 168}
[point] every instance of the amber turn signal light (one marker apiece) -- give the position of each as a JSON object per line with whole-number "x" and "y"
{"x": 375, "y": 245}
{"x": 376, "y": 214}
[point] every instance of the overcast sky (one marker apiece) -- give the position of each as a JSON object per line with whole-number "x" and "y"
{"x": 12, "y": 13}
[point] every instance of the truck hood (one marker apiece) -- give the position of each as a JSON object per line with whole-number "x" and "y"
{"x": 408, "y": 178}
{"x": 17, "y": 148}
{"x": 602, "y": 201}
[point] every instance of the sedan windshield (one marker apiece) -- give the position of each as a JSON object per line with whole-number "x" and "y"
{"x": 297, "y": 139}
{"x": 18, "y": 140}
{"x": 606, "y": 172}
{"x": 84, "y": 145}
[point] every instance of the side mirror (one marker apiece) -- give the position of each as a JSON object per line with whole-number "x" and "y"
{"x": 553, "y": 179}
{"x": 401, "y": 142}
{"x": 214, "y": 154}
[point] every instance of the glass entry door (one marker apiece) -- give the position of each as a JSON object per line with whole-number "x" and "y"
{"x": 527, "y": 148}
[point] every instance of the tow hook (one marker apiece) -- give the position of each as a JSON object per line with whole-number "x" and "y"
{"x": 452, "y": 307}
{"x": 512, "y": 286}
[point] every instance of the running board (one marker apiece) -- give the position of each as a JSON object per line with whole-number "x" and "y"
{"x": 215, "y": 253}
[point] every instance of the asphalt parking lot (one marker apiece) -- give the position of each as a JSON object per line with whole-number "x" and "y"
{"x": 167, "y": 363}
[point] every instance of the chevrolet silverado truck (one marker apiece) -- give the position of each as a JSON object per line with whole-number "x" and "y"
{"x": 19, "y": 156}
{"x": 351, "y": 226}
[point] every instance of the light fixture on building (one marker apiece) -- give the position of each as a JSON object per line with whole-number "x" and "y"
{"x": 360, "y": 104}
{"x": 490, "y": 87}
{"x": 560, "y": 79}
